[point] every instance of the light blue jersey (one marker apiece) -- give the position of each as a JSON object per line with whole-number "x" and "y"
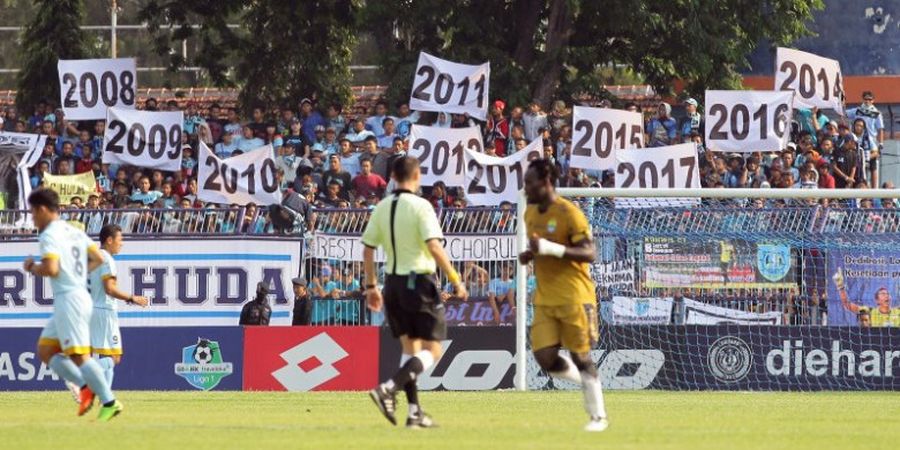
{"x": 98, "y": 276}
{"x": 69, "y": 246}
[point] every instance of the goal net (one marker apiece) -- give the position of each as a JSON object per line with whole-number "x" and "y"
{"x": 738, "y": 289}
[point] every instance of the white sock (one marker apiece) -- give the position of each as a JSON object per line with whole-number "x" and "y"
{"x": 413, "y": 409}
{"x": 570, "y": 374}
{"x": 404, "y": 358}
{"x": 427, "y": 359}
{"x": 388, "y": 385}
{"x": 593, "y": 395}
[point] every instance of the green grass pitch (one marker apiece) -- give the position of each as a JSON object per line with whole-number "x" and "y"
{"x": 539, "y": 420}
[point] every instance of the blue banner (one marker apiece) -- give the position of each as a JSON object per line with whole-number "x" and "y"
{"x": 871, "y": 280}
{"x": 156, "y": 358}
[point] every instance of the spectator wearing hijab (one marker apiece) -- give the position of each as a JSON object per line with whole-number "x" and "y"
{"x": 662, "y": 127}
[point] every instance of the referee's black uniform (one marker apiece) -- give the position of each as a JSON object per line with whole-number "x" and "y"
{"x": 402, "y": 224}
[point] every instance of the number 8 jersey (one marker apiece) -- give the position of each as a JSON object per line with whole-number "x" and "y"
{"x": 69, "y": 246}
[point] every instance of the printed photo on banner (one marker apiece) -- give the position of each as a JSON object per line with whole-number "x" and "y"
{"x": 18, "y": 153}
{"x": 246, "y": 178}
{"x": 441, "y": 152}
{"x": 445, "y": 86}
{"x": 640, "y": 311}
{"x": 87, "y": 87}
{"x": 150, "y": 139}
{"x": 863, "y": 287}
{"x": 675, "y": 262}
{"x": 597, "y": 133}
{"x": 491, "y": 180}
{"x": 748, "y": 121}
{"x": 817, "y": 81}
{"x": 69, "y": 186}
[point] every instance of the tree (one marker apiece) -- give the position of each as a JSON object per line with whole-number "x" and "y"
{"x": 52, "y": 34}
{"x": 284, "y": 52}
{"x": 546, "y": 49}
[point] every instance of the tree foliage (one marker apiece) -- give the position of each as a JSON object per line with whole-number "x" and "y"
{"x": 52, "y": 34}
{"x": 285, "y": 50}
{"x": 546, "y": 49}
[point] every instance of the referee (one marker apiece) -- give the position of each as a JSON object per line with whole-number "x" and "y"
{"x": 406, "y": 226}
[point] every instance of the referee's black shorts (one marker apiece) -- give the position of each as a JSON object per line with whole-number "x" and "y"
{"x": 417, "y": 312}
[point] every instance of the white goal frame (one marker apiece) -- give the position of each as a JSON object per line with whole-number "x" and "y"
{"x": 520, "y": 380}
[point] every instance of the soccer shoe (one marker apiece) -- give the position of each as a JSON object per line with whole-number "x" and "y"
{"x": 386, "y": 403}
{"x": 420, "y": 420}
{"x": 86, "y": 400}
{"x": 74, "y": 390}
{"x": 597, "y": 424}
{"x": 108, "y": 412}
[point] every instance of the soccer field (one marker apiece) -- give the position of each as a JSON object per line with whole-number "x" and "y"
{"x": 645, "y": 420}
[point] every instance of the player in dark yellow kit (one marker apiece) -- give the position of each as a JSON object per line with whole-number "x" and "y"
{"x": 565, "y": 304}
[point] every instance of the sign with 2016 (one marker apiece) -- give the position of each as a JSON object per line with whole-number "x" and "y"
{"x": 748, "y": 121}
{"x": 87, "y": 87}
{"x": 446, "y": 86}
{"x": 150, "y": 139}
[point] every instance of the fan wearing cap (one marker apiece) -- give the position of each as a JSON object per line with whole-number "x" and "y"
{"x": 302, "y": 302}
{"x": 498, "y": 127}
{"x": 693, "y": 123}
{"x": 257, "y": 311}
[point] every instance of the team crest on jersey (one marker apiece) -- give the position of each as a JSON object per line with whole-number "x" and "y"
{"x": 551, "y": 226}
{"x": 202, "y": 365}
{"x": 773, "y": 261}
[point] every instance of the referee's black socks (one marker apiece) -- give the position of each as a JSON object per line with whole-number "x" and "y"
{"x": 409, "y": 372}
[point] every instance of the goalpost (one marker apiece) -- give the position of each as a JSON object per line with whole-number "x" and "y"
{"x": 737, "y": 289}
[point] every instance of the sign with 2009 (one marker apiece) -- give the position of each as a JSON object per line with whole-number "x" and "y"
{"x": 748, "y": 121}
{"x": 446, "y": 86}
{"x": 88, "y": 87}
{"x": 598, "y": 132}
{"x": 149, "y": 139}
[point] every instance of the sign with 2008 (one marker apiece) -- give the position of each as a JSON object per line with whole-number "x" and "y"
{"x": 150, "y": 139}
{"x": 87, "y": 87}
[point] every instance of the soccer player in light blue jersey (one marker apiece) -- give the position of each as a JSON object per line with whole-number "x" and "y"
{"x": 106, "y": 340}
{"x": 67, "y": 256}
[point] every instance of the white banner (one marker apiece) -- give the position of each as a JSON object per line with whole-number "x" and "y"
{"x": 674, "y": 166}
{"x": 87, "y": 87}
{"x": 641, "y": 311}
{"x": 441, "y": 152}
{"x": 697, "y": 313}
{"x": 241, "y": 179}
{"x": 498, "y": 247}
{"x": 598, "y": 132}
{"x": 817, "y": 81}
{"x": 26, "y": 149}
{"x": 616, "y": 275}
{"x": 445, "y": 86}
{"x": 148, "y": 139}
{"x": 190, "y": 282}
{"x": 491, "y": 180}
{"x": 748, "y": 121}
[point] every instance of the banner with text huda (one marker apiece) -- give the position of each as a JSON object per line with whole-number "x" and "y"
{"x": 69, "y": 186}
{"x": 491, "y": 180}
{"x": 748, "y": 121}
{"x": 189, "y": 282}
{"x": 241, "y": 179}
{"x": 816, "y": 80}
{"x": 445, "y": 86}
{"x": 441, "y": 152}
{"x": 150, "y": 139}
{"x": 87, "y": 87}
{"x": 598, "y": 133}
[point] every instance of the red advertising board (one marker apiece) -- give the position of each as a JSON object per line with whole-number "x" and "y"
{"x": 310, "y": 358}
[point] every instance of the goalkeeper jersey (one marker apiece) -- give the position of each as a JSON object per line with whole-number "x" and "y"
{"x": 880, "y": 319}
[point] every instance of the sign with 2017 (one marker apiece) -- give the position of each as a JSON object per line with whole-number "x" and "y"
{"x": 446, "y": 86}
{"x": 150, "y": 139}
{"x": 87, "y": 87}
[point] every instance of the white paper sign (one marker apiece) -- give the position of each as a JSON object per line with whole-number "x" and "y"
{"x": 598, "y": 132}
{"x": 445, "y": 86}
{"x": 491, "y": 180}
{"x": 149, "y": 139}
{"x": 87, "y": 87}
{"x": 674, "y": 166}
{"x": 441, "y": 152}
{"x": 697, "y": 313}
{"x": 748, "y": 121}
{"x": 817, "y": 80}
{"x": 242, "y": 179}
{"x": 641, "y": 311}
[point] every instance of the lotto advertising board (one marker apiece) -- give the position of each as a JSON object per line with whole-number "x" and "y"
{"x": 173, "y": 358}
{"x": 671, "y": 262}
